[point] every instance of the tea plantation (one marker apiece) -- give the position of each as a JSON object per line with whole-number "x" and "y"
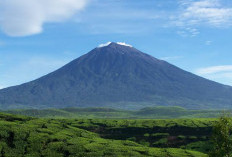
{"x": 22, "y": 136}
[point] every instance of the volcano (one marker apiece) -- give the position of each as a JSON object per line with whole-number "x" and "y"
{"x": 118, "y": 75}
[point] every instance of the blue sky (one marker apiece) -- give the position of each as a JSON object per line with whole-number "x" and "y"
{"x": 39, "y": 36}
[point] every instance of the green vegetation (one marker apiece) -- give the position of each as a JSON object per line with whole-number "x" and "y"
{"x": 96, "y": 113}
{"x": 176, "y": 133}
{"x": 59, "y": 136}
{"x": 222, "y": 138}
{"x": 31, "y": 137}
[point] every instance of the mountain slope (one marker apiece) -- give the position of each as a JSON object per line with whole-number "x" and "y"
{"x": 118, "y": 76}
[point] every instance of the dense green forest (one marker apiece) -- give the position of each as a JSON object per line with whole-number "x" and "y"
{"x": 145, "y": 113}
{"x": 54, "y": 137}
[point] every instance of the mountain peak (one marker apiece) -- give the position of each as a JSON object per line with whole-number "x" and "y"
{"x": 120, "y": 76}
{"x": 113, "y": 43}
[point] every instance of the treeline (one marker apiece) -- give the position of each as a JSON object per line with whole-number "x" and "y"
{"x": 145, "y": 113}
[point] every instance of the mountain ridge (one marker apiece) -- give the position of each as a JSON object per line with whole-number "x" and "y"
{"x": 117, "y": 76}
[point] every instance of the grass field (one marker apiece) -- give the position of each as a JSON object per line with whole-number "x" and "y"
{"x": 31, "y": 137}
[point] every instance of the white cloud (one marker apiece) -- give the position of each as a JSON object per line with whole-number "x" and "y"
{"x": 124, "y": 44}
{"x": 188, "y": 31}
{"x": 26, "y": 17}
{"x": 170, "y": 58}
{"x": 222, "y": 73}
{"x": 104, "y": 45}
{"x": 209, "y": 12}
{"x": 1, "y": 87}
{"x": 108, "y": 43}
{"x": 215, "y": 69}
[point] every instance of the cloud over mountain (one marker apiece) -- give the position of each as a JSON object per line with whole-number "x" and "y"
{"x": 218, "y": 73}
{"x": 215, "y": 69}
{"x": 27, "y": 17}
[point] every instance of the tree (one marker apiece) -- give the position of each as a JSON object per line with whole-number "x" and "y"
{"x": 221, "y": 138}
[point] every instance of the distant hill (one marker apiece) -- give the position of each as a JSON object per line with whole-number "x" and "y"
{"x": 158, "y": 112}
{"x": 118, "y": 76}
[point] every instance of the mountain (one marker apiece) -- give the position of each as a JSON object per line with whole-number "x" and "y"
{"x": 120, "y": 76}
